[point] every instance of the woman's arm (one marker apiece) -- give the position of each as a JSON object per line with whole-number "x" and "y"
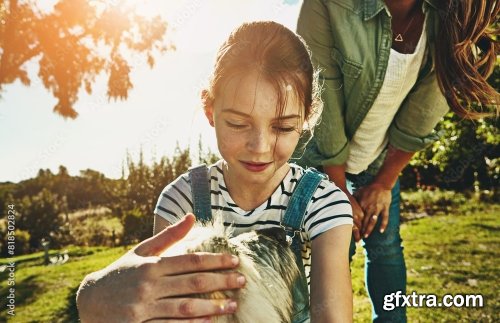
{"x": 331, "y": 290}
{"x": 329, "y": 145}
{"x": 142, "y": 286}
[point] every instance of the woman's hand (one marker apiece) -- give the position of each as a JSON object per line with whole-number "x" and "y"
{"x": 375, "y": 200}
{"x": 357, "y": 215}
{"x": 142, "y": 286}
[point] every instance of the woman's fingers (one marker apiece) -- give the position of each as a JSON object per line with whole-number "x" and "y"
{"x": 357, "y": 216}
{"x": 358, "y": 222}
{"x": 170, "y": 235}
{"x": 198, "y": 283}
{"x": 195, "y": 262}
{"x": 370, "y": 211}
{"x": 169, "y": 309}
{"x": 385, "y": 220}
{"x": 375, "y": 202}
{"x": 370, "y": 223}
{"x": 141, "y": 286}
{"x": 356, "y": 233}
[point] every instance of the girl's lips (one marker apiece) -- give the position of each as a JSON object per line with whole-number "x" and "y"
{"x": 255, "y": 167}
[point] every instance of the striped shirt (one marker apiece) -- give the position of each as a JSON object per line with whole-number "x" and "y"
{"x": 328, "y": 208}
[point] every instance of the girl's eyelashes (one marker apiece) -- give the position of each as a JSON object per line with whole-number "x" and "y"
{"x": 235, "y": 125}
{"x": 278, "y": 128}
{"x": 284, "y": 129}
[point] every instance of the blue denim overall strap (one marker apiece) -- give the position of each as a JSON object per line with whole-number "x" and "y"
{"x": 200, "y": 191}
{"x": 292, "y": 223}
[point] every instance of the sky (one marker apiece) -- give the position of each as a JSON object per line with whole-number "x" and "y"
{"x": 162, "y": 110}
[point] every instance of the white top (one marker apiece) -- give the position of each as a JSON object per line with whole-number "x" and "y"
{"x": 328, "y": 208}
{"x": 372, "y": 136}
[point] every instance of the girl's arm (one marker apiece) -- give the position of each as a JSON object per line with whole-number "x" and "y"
{"x": 331, "y": 290}
{"x": 141, "y": 286}
{"x": 159, "y": 224}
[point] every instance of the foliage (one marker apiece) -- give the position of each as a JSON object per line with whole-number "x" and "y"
{"x": 465, "y": 157}
{"x": 142, "y": 187}
{"x": 74, "y": 43}
{"x": 6, "y": 190}
{"x": 69, "y": 209}
{"x": 93, "y": 189}
{"x": 93, "y": 227}
{"x": 207, "y": 157}
{"x": 420, "y": 203}
{"x": 89, "y": 189}
{"x": 39, "y": 215}
{"x": 136, "y": 225}
{"x": 22, "y": 241}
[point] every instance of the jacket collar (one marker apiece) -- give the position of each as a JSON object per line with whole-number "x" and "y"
{"x": 372, "y": 7}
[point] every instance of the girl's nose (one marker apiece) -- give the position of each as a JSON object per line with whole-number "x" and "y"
{"x": 260, "y": 141}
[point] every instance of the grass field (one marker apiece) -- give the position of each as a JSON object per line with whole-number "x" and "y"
{"x": 445, "y": 254}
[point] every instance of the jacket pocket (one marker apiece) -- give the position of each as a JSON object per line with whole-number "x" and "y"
{"x": 350, "y": 70}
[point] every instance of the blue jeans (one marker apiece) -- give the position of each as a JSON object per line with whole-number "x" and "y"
{"x": 385, "y": 269}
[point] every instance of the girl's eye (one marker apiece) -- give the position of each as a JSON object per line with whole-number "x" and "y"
{"x": 284, "y": 129}
{"x": 235, "y": 125}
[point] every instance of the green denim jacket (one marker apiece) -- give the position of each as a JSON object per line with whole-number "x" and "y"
{"x": 350, "y": 41}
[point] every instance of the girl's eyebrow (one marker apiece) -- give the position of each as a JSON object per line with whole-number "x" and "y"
{"x": 233, "y": 111}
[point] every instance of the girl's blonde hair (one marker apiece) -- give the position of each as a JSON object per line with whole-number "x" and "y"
{"x": 280, "y": 55}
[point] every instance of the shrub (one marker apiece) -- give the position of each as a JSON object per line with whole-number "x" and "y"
{"x": 136, "y": 226}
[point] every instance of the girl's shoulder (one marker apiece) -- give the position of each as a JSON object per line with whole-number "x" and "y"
{"x": 326, "y": 192}
{"x": 214, "y": 171}
{"x": 297, "y": 172}
{"x": 182, "y": 183}
{"x": 328, "y": 207}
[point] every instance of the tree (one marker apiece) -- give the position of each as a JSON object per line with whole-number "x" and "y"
{"x": 74, "y": 43}
{"x": 141, "y": 189}
{"x": 40, "y": 216}
{"x": 466, "y": 156}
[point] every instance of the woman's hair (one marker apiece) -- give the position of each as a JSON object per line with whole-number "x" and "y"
{"x": 466, "y": 52}
{"x": 281, "y": 57}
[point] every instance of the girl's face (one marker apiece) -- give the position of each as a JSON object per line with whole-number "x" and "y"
{"x": 255, "y": 143}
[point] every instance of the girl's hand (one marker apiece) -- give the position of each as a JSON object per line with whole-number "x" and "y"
{"x": 357, "y": 215}
{"x": 142, "y": 286}
{"x": 375, "y": 201}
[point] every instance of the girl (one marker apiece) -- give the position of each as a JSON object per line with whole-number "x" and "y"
{"x": 391, "y": 70}
{"x": 261, "y": 98}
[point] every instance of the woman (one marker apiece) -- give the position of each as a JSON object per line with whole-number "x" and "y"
{"x": 390, "y": 71}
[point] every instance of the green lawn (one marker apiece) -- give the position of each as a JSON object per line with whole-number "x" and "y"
{"x": 446, "y": 254}
{"x": 47, "y": 293}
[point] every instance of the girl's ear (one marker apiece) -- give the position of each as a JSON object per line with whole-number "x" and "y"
{"x": 209, "y": 112}
{"x": 208, "y": 106}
